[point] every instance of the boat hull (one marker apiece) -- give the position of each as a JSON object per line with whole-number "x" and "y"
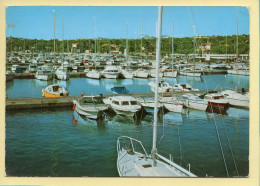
{"x": 170, "y": 74}
{"x": 52, "y": 95}
{"x": 173, "y": 107}
{"x": 195, "y": 104}
{"x": 43, "y": 77}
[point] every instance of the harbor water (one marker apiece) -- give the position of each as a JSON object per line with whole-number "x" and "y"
{"x": 27, "y": 88}
{"x": 48, "y": 142}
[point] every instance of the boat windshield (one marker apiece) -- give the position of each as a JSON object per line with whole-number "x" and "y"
{"x": 55, "y": 88}
{"x": 125, "y": 103}
{"x": 95, "y": 100}
{"x": 133, "y": 102}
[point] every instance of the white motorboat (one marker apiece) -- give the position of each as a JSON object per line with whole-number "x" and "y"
{"x": 31, "y": 69}
{"x": 111, "y": 72}
{"x": 194, "y": 102}
{"x": 123, "y": 105}
{"x": 184, "y": 87}
{"x": 91, "y": 107}
{"x": 93, "y": 74}
{"x": 62, "y": 73}
{"x": 127, "y": 74}
{"x": 132, "y": 158}
{"x": 141, "y": 73}
{"x": 244, "y": 72}
{"x": 153, "y": 73}
{"x": 191, "y": 71}
{"x": 148, "y": 104}
{"x": 9, "y": 76}
{"x": 172, "y": 104}
{"x": 13, "y": 68}
{"x": 44, "y": 75}
{"x": 237, "y": 99}
{"x": 163, "y": 86}
{"x": 170, "y": 73}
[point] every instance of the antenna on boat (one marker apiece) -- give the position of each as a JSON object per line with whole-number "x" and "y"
{"x": 158, "y": 51}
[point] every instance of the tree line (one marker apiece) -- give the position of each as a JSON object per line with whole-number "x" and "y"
{"x": 219, "y": 45}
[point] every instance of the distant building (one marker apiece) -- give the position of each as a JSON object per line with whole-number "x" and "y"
{"x": 207, "y": 36}
{"x": 74, "y": 48}
{"x": 205, "y": 48}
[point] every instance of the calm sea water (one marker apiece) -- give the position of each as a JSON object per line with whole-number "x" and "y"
{"x": 26, "y": 88}
{"x": 46, "y": 142}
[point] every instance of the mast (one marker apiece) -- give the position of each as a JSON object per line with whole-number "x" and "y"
{"x": 194, "y": 41}
{"x": 226, "y": 48}
{"x": 141, "y": 37}
{"x": 53, "y": 70}
{"x": 126, "y": 42}
{"x": 158, "y": 51}
{"x": 237, "y": 54}
{"x": 95, "y": 42}
{"x": 172, "y": 49}
{"x": 63, "y": 41}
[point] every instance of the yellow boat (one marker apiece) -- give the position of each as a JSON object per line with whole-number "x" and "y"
{"x": 54, "y": 91}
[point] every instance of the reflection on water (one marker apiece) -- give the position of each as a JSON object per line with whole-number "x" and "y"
{"x": 21, "y": 88}
{"x": 46, "y": 142}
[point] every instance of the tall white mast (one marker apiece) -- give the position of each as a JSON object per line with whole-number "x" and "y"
{"x": 126, "y": 42}
{"x": 141, "y": 37}
{"x": 237, "y": 54}
{"x": 172, "y": 49}
{"x": 194, "y": 45}
{"x": 63, "y": 41}
{"x": 95, "y": 42}
{"x": 54, "y": 51}
{"x": 158, "y": 51}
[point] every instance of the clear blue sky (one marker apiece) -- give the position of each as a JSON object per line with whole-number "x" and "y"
{"x": 37, "y": 22}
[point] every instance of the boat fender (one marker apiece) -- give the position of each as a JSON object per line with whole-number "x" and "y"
{"x": 74, "y": 121}
{"x": 74, "y": 107}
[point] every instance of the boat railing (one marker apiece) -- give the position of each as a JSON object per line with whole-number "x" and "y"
{"x": 171, "y": 163}
{"x": 131, "y": 142}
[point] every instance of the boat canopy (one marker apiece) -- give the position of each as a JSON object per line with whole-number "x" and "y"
{"x": 120, "y": 90}
{"x": 203, "y": 95}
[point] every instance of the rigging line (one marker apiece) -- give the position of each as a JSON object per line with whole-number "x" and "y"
{"x": 162, "y": 126}
{"x": 189, "y": 16}
{"x": 218, "y": 134}
{"x": 224, "y": 125}
{"x": 180, "y": 143}
{"x": 194, "y": 20}
{"x": 219, "y": 141}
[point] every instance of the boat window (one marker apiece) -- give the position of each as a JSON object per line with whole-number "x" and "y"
{"x": 116, "y": 102}
{"x": 55, "y": 88}
{"x": 97, "y": 100}
{"x": 125, "y": 103}
{"x": 133, "y": 102}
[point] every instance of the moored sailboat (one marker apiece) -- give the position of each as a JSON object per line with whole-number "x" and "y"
{"x": 133, "y": 160}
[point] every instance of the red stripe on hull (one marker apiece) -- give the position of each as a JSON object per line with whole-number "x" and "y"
{"x": 218, "y": 105}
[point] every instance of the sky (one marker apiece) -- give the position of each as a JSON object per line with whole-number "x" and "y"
{"x": 37, "y": 22}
